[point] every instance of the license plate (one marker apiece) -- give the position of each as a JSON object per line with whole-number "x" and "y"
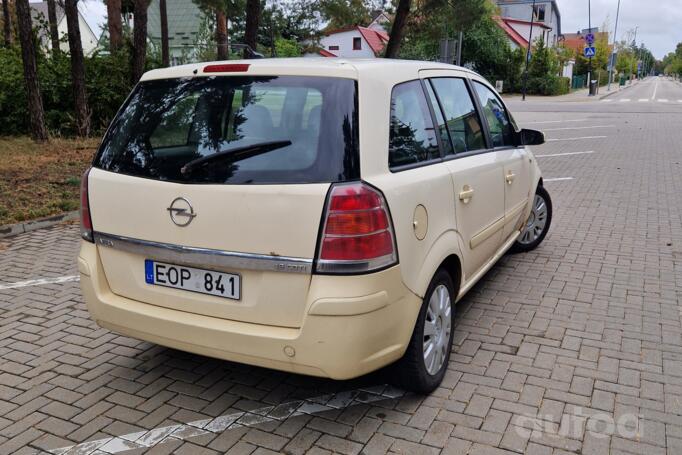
{"x": 209, "y": 282}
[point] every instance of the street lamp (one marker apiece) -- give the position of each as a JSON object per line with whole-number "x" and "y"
{"x": 530, "y": 43}
{"x": 614, "y": 54}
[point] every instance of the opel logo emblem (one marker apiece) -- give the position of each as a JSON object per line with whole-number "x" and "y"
{"x": 181, "y": 212}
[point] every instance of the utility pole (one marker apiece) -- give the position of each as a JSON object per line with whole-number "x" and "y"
{"x": 530, "y": 44}
{"x": 589, "y": 30}
{"x": 614, "y": 54}
{"x": 634, "y": 44}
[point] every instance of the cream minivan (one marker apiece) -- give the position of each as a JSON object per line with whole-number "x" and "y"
{"x": 318, "y": 216}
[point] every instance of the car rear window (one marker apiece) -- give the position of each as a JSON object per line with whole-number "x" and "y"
{"x": 236, "y": 130}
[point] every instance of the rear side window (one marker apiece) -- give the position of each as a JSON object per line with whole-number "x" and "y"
{"x": 412, "y": 136}
{"x": 460, "y": 114}
{"x": 237, "y": 130}
{"x": 501, "y": 129}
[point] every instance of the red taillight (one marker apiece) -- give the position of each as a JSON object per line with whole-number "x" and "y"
{"x": 357, "y": 235}
{"x": 227, "y": 68}
{"x": 86, "y": 220}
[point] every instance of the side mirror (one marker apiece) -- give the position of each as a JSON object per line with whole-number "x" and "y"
{"x": 531, "y": 137}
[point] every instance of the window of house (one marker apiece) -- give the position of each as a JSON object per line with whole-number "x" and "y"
{"x": 357, "y": 44}
{"x": 539, "y": 13}
{"x": 333, "y": 48}
{"x": 412, "y": 137}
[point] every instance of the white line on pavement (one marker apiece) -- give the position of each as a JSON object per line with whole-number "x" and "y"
{"x": 663, "y": 100}
{"x": 556, "y": 121}
{"x": 558, "y": 179}
{"x": 38, "y": 282}
{"x": 643, "y": 100}
{"x": 281, "y": 412}
{"x": 625, "y": 100}
{"x": 579, "y": 128}
{"x": 563, "y": 154}
{"x": 679, "y": 101}
{"x": 576, "y": 138}
{"x": 653, "y": 97}
{"x": 606, "y": 101}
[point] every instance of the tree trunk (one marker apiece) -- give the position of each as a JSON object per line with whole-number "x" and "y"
{"x": 221, "y": 35}
{"x": 165, "y": 55}
{"x": 251, "y": 31}
{"x": 114, "y": 25}
{"x": 7, "y": 23}
{"x": 401, "y": 13}
{"x": 139, "y": 38}
{"x": 28, "y": 55}
{"x": 77, "y": 68}
{"x": 52, "y": 20}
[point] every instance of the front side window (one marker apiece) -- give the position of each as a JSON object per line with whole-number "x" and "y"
{"x": 501, "y": 129}
{"x": 412, "y": 135}
{"x": 236, "y": 130}
{"x": 460, "y": 114}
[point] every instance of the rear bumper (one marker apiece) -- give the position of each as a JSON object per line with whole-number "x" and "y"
{"x": 343, "y": 335}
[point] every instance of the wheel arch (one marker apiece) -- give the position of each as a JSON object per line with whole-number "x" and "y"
{"x": 445, "y": 253}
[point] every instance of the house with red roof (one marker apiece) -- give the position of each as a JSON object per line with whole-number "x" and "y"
{"x": 354, "y": 42}
{"x": 518, "y": 31}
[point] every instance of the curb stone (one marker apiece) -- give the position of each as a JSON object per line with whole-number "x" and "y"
{"x": 10, "y": 230}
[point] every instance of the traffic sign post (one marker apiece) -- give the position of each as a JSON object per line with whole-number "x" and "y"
{"x": 589, "y": 38}
{"x": 590, "y": 52}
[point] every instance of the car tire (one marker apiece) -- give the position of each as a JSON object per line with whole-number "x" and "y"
{"x": 538, "y": 223}
{"x": 411, "y": 371}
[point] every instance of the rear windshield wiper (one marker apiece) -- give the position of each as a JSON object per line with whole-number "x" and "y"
{"x": 235, "y": 154}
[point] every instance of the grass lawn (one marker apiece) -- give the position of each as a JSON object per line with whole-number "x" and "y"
{"x": 38, "y": 180}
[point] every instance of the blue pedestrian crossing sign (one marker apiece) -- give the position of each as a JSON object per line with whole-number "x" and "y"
{"x": 590, "y": 51}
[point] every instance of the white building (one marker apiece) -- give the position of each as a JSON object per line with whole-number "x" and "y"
{"x": 39, "y": 16}
{"x": 354, "y": 42}
{"x": 544, "y": 14}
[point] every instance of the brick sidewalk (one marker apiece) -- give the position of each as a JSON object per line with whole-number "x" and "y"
{"x": 583, "y": 332}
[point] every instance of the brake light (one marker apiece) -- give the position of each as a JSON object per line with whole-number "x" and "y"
{"x": 227, "y": 68}
{"x": 86, "y": 220}
{"x": 357, "y": 234}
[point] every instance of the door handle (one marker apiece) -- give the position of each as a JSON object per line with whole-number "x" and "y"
{"x": 510, "y": 177}
{"x": 466, "y": 194}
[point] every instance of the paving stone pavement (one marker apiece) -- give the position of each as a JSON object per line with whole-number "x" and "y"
{"x": 575, "y": 348}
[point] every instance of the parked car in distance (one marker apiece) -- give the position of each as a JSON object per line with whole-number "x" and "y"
{"x": 317, "y": 216}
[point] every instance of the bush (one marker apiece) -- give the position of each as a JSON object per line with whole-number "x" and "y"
{"x": 107, "y": 79}
{"x": 562, "y": 86}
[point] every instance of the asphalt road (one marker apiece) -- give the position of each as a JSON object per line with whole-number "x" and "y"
{"x": 573, "y": 348}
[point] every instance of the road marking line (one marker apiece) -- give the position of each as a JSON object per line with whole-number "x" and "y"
{"x": 653, "y": 97}
{"x": 662, "y": 100}
{"x": 558, "y": 179}
{"x": 625, "y": 100}
{"x": 556, "y": 121}
{"x": 576, "y": 138}
{"x": 643, "y": 100}
{"x": 280, "y": 412}
{"x": 38, "y": 282}
{"x": 606, "y": 101}
{"x": 563, "y": 154}
{"x": 579, "y": 128}
{"x": 679, "y": 101}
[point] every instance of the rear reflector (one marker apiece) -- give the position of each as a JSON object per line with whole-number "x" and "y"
{"x": 227, "y": 68}
{"x": 86, "y": 220}
{"x": 357, "y": 234}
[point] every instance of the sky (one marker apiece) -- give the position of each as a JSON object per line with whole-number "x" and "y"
{"x": 660, "y": 21}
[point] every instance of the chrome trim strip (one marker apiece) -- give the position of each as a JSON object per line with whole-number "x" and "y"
{"x": 204, "y": 257}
